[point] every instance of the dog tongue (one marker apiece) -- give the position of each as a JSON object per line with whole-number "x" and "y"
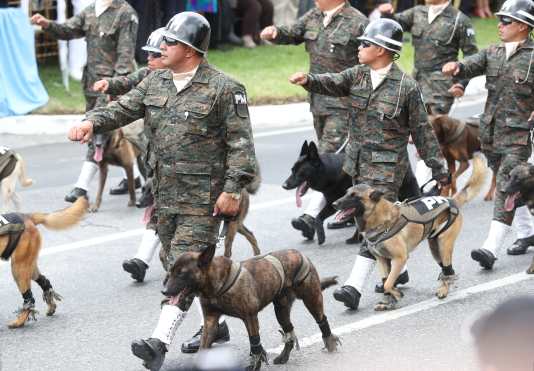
{"x": 344, "y": 214}
{"x": 148, "y": 213}
{"x": 509, "y": 203}
{"x": 99, "y": 151}
{"x": 298, "y": 194}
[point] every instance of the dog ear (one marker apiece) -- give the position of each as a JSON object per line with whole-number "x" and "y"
{"x": 375, "y": 196}
{"x": 206, "y": 257}
{"x": 313, "y": 152}
{"x": 304, "y": 149}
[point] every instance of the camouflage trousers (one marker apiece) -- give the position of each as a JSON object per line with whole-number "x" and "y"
{"x": 502, "y": 164}
{"x": 331, "y": 129}
{"x": 434, "y": 87}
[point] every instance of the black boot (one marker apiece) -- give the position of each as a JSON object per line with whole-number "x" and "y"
{"x": 484, "y": 257}
{"x": 122, "y": 187}
{"x": 193, "y": 345}
{"x": 151, "y": 351}
{"x": 350, "y": 222}
{"x": 306, "y": 224}
{"x": 136, "y": 267}
{"x": 349, "y": 296}
{"x": 520, "y": 246}
{"x": 76, "y": 192}
{"x": 402, "y": 279}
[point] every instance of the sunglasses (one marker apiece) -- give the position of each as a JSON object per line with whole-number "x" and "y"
{"x": 154, "y": 55}
{"x": 505, "y": 21}
{"x": 366, "y": 44}
{"x": 170, "y": 42}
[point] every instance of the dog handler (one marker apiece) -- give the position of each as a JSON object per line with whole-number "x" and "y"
{"x": 386, "y": 107}
{"x": 110, "y": 29}
{"x": 199, "y": 132}
{"x": 506, "y": 123}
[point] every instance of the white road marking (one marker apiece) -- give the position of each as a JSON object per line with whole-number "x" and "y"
{"x": 272, "y": 133}
{"x": 379, "y": 319}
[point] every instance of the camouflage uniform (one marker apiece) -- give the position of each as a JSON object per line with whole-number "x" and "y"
{"x": 202, "y": 143}
{"x": 505, "y": 133}
{"x": 383, "y": 119}
{"x": 332, "y": 49}
{"x": 434, "y": 45}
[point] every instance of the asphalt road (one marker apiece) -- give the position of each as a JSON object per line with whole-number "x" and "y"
{"x": 103, "y": 310}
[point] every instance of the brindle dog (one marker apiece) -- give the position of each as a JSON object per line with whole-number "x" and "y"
{"x": 376, "y": 215}
{"x": 243, "y": 289}
{"x": 520, "y": 191}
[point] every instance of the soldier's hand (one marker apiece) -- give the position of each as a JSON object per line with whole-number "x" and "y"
{"x": 226, "y": 205}
{"x": 385, "y": 8}
{"x": 39, "y": 20}
{"x": 269, "y": 33}
{"x": 101, "y": 86}
{"x": 457, "y": 90}
{"x": 451, "y": 68}
{"x": 531, "y": 118}
{"x": 299, "y": 78}
{"x": 82, "y": 132}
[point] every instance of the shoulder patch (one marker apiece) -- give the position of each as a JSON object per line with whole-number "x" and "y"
{"x": 240, "y": 103}
{"x": 3, "y": 150}
{"x": 470, "y": 32}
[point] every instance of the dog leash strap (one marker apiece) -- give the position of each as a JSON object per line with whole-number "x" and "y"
{"x": 223, "y": 232}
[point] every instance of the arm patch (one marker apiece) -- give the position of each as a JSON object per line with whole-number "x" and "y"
{"x": 240, "y": 103}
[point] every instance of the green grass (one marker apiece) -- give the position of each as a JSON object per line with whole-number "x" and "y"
{"x": 264, "y": 71}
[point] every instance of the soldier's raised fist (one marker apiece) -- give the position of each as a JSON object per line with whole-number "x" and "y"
{"x": 82, "y": 132}
{"x": 39, "y": 20}
{"x": 451, "y": 68}
{"x": 101, "y": 86}
{"x": 299, "y": 78}
{"x": 457, "y": 90}
{"x": 386, "y": 8}
{"x": 269, "y": 33}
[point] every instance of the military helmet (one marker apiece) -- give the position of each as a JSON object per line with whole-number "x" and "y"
{"x": 154, "y": 41}
{"x": 190, "y": 29}
{"x": 385, "y": 33}
{"x": 520, "y": 10}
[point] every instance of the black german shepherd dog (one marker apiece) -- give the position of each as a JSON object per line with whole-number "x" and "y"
{"x": 323, "y": 173}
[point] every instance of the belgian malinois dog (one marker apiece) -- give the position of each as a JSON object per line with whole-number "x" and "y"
{"x": 23, "y": 249}
{"x": 243, "y": 289}
{"x": 377, "y": 216}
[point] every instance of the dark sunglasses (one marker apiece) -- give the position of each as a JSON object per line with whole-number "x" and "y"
{"x": 505, "y": 21}
{"x": 170, "y": 42}
{"x": 154, "y": 55}
{"x": 366, "y": 44}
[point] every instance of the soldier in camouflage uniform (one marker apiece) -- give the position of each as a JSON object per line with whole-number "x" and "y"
{"x": 505, "y": 126}
{"x": 330, "y": 33}
{"x": 199, "y": 131}
{"x": 439, "y": 32}
{"x": 110, "y": 30}
{"x": 387, "y": 108}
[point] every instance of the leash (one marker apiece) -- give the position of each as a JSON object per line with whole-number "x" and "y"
{"x": 223, "y": 229}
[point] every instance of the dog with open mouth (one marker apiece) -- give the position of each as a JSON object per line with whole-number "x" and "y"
{"x": 394, "y": 230}
{"x": 243, "y": 289}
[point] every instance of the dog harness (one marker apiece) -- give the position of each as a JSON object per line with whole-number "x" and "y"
{"x": 8, "y": 161}
{"x": 423, "y": 211}
{"x": 12, "y": 225}
{"x": 236, "y": 269}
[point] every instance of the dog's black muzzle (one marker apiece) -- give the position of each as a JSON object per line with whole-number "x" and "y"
{"x": 291, "y": 183}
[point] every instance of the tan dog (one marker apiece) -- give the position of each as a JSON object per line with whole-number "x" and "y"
{"x": 392, "y": 234}
{"x": 22, "y": 245}
{"x": 458, "y": 140}
{"x": 12, "y": 167}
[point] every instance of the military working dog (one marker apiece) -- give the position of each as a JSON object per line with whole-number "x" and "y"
{"x": 12, "y": 167}
{"x": 393, "y": 231}
{"x": 243, "y": 289}
{"x": 20, "y": 241}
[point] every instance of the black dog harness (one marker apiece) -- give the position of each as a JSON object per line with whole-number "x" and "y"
{"x": 11, "y": 224}
{"x": 423, "y": 211}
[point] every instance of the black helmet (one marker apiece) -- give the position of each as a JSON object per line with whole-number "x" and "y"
{"x": 190, "y": 29}
{"x": 154, "y": 41}
{"x": 520, "y": 10}
{"x": 384, "y": 32}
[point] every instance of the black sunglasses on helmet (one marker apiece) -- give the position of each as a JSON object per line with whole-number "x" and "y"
{"x": 366, "y": 44}
{"x": 154, "y": 55}
{"x": 170, "y": 42}
{"x": 506, "y": 20}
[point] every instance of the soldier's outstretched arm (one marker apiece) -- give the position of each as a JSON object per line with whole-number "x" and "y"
{"x": 422, "y": 134}
{"x": 333, "y": 84}
{"x": 241, "y": 156}
{"x": 121, "y": 112}
{"x": 474, "y": 65}
{"x": 72, "y": 28}
{"x": 293, "y": 34}
{"x": 126, "y": 43}
{"x": 405, "y": 18}
{"x": 123, "y": 84}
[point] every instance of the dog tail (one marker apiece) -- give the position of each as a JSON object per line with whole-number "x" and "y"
{"x": 475, "y": 183}
{"x": 253, "y": 187}
{"x": 62, "y": 219}
{"x": 328, "y": 281}
{"x": 23, "y": 179}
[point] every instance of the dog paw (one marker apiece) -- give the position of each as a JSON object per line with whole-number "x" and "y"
{"x": 50, "y": 297}
{"x": 24, "y": 315}
{"x": 93, "y": 209}
{"x": 331, "y": 342}
{"x": 530, "y": 270}
{"x": 131, "y": 203}
{"x": 387, "y": 303}
{"x": 256, "y": 361}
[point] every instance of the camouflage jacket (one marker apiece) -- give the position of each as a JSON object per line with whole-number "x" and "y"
{"x": 510, "y": 85}
{"x": 332, "y": 49}
{"x": 439, "y": 42}
{"x": 201, "y": 137}
{"x": 123, "y": 84}
{"x": 110, "y": 40}
{"x": 383, "y": 119}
